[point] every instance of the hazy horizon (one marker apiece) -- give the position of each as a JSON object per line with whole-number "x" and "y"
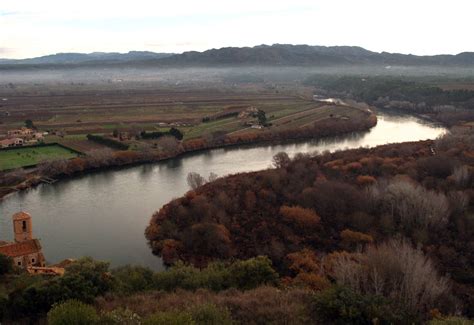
{"x": 133, "y": 50}
{"x": 36, "y": 29}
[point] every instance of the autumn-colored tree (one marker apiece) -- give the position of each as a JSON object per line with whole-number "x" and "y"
{"x": 351, "y": 239}
{"x": 301, "y": 216}
{"x": 303, "y": 261}
{"x": 209, "y": 240}
{"x": 169, "y": 251}
{"x": 307, "y": 270}
{"x": 365, "y": 180}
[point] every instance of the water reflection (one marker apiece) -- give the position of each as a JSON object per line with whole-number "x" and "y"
{"x": 104, "y": 214}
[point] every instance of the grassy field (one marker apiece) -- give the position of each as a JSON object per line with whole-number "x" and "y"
{"x": 76, "y": 113}
{"x": 22, "y": 157}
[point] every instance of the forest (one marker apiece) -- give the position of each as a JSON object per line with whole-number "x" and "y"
{"x": 392, "y": 225}
{"x": 443, "y": 100}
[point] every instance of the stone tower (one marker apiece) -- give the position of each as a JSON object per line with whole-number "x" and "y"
{"x": 22, "y": 227}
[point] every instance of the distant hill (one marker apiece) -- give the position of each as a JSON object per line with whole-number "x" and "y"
{"x": 269, "y": 55}
{"x": 280, "y": 54}
{"x": 96, "y": 57}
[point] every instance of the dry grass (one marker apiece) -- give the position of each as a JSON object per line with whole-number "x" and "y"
{"x": 264, "y": 305}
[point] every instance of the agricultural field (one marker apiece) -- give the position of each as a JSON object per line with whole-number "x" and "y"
{"x": 70, "y": 114}
{"x": 28, "y": 156}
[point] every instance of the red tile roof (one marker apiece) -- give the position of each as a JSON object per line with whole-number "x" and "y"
{"x": 23, "y": 248}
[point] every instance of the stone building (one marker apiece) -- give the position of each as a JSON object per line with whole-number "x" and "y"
{"x": 25, "y": 250}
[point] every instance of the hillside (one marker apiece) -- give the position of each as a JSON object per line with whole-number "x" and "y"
{"x": 317, "y": 206}
{"x": 274, "y": 55}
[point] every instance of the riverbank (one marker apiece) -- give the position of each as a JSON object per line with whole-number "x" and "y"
{"x": 116, "y": 202}
{"x": 62, "y": 169}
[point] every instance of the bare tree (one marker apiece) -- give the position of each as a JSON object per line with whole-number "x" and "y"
{"x": 195, "y": 180}
{"x": 410, "y": 205}
{"x": 13, "y": 177}
{"x": 212, "y": 177}
{"x": 52, "y": 167}
{"x": 281, "y": 159}
{"x": 459, "y": 201}
{"x": 168, "y": 144}
{"x": 393, "y": 269}
{"x": 461, "y": 176}
{"x": 99, "y": 157}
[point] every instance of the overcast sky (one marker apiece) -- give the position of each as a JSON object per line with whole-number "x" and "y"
{"x": 30, "y": 28}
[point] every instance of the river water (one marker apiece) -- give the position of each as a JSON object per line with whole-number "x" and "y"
{"x": 104, "y": 214}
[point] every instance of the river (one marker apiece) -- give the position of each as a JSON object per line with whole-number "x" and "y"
{"x": 104, "y": 214}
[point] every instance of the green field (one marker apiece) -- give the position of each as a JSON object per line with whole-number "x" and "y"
{"x": 28, "y": 156}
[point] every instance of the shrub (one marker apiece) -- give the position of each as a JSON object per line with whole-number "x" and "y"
{"x": 120, "y": 316}
{"x": 252, "y": 273}
{"x": 84, "y": 280}
{"x": 178, "y": 276}
{"x": 176, "y": 133}
{"x": 451, "y": 321}
{"x": 341, "y": 305}
{"x": 170, "y": 318}
{"x": 114, "y": 144}
{"x": 72, "y": 312}
{"x": 131, "y": 279}
{"x": 209, "y": 314}
{"x": 217, "y": 276}
{"x": 6, "y": 264}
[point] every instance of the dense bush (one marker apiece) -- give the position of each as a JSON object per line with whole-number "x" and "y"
{"x": 72, "y": 312}
{"x": 218, "y": 276}
{"x": 209, "y": 314}
{"x": 170, "y": 318}
{"x": 157, "y": 134}
{"x": 341, "y": 305}
{"x": 84, "y": 280}
{"x": 6, "y": 264}
{"x": 205, "y": 314}
{"x": 129, "y": 279}
{"x": 107, "y": 142}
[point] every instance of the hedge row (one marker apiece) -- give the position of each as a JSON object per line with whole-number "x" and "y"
{"x": 107, "y": 142}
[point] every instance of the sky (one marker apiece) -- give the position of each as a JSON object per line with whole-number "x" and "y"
{"x": 31, "y": 28}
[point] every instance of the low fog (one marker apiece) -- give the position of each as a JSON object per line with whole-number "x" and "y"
{"x": 116, "y": 77}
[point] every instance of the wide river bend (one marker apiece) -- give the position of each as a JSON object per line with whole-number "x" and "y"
{"x": 104, "y": 214}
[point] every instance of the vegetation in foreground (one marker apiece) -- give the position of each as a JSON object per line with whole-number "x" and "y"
{"x": 238, "y": 292}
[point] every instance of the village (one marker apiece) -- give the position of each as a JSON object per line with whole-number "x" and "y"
{"x": 22, "y": 136}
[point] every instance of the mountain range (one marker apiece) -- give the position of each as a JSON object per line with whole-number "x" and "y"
{"x": 270, "y": 55}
